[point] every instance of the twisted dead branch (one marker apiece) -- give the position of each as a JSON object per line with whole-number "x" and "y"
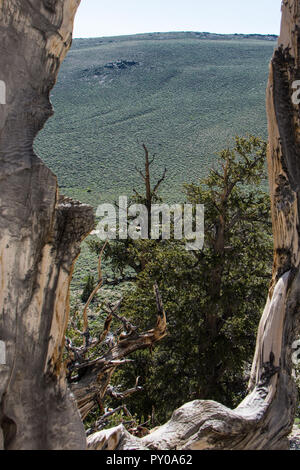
{"x": 91, "y": 365}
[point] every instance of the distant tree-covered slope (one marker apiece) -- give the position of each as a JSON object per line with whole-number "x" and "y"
{"x": 186, "y": 95}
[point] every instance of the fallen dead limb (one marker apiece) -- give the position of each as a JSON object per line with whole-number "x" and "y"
{"x": 90, "y": 366}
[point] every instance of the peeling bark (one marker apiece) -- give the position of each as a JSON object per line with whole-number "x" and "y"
{"x": 40, "y": 235}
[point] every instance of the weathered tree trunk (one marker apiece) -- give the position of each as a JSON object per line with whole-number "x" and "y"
{"x": 265, "y": 418}
{"x": 40, "y": 234}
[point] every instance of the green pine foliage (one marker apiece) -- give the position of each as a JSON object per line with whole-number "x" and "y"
{"x": 213, "y": 298}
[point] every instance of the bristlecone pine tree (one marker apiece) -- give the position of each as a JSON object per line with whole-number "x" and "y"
{"x": 213, "y": 297}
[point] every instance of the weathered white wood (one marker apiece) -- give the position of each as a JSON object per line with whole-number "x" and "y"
{"x": 262, "y": 421}
{"x": 40, "y": 235}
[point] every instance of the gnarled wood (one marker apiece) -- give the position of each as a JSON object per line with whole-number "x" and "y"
{"x": 91, "y": 384}
{"x": 40, "y": 234}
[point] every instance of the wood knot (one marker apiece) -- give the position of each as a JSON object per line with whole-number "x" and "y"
{"x": 284, "y": 196}
{"x": 269, "y": 370}
{"x": 50, "y": 5}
